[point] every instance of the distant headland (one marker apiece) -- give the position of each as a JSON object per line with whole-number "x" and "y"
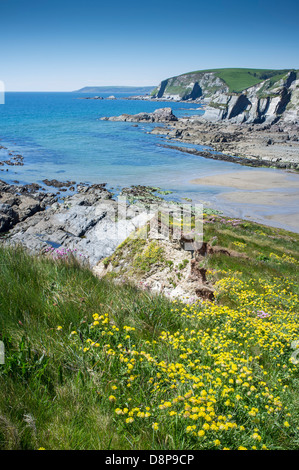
{"x": 116, "y": 89}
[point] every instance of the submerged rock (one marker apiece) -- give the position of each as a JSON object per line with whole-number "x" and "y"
{"x": 58, "y": 184}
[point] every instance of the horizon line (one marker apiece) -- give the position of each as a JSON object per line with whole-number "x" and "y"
{"x": 75, "y": 91}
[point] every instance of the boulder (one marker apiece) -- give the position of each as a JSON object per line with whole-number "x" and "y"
{"x": 14, "y": 209}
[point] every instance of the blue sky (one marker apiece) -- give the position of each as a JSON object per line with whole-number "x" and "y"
{"x": 62, "y": 45}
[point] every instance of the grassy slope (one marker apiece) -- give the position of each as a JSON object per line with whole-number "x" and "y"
{"x": 239, "y": 79}
{"x": 248, "y": 78}
{"x": 92, "y": 365}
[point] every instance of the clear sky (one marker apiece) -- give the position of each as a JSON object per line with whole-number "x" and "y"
{"x": 63, "y": 45}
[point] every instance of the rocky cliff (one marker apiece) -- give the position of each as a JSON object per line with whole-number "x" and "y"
{"x": 238, "y": 95}
{"x": 190, "y": 86}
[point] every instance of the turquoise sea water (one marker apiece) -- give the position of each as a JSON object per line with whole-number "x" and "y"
{"x": 62, "y": 137}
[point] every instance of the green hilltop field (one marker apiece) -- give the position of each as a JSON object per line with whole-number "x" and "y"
{"x": 238, "y": 79}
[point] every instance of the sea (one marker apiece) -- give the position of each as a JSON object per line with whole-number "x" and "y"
{"x": 61, "y": 136}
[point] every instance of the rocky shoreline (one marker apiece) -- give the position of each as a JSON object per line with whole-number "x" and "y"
{"x": 256, "y": 144}
{"x": 267, "y": 145}
{"x": 159, "y": 115}
{"x": 91, "y": 226}
{"x": 98, "y": 231}
{"x": 89, "y": 223}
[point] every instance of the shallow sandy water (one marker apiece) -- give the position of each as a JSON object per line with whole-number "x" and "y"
{"x": 253, "y": 180}
{"x": 271, "y": 198}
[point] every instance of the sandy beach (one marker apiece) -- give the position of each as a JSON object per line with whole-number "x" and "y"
{"x": 274, "y": 196}
{"x": 271, "y": 198}
{"x": 254, "y": 180}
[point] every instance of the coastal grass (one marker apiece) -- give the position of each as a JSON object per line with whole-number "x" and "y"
{"x": 91, "y": 364}
{"x": 239, "y": 79}
{"x": 49, "y": 395}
